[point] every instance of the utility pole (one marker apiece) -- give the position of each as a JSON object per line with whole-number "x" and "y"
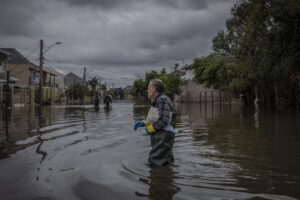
{"x": 41, "y": 73}
{"x": 84, "y": 84}
{"x": 84, "y": 75}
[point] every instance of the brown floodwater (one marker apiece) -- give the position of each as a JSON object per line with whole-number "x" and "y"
{"x": 83, "y": 152}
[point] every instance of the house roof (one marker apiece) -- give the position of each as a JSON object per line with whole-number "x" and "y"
{"x": 15, "y": 57}
{"x": 72, "y": 75}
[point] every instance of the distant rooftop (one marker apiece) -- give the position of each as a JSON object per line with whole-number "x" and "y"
{"x": 71, "y": 75}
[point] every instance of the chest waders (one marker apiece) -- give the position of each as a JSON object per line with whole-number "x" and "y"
{"x": 161, "y": 141}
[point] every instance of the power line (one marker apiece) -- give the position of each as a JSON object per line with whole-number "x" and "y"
{"x": 54, "y": 66}
{"x": 29, "y": 47}
{"x": 51, "y": 62}
{"x": 32, "y": 51}
{"x": 26, "y": 58}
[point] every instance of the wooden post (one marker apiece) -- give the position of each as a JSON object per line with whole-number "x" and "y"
{"x": 276, "y": 96}
{"x": 22, "y": 94}
{"x": 8, "y": 92}
{"x": 41, "y": 73}
{"x": 212, "y": 101}
{"x": 220, "y": 101}
{"x": 1, "y": 94}
{"x": 73, "y": 91}
{"x": 25, "y": 92}
{"x": 205, "y": 98}
{"x": 200, "y": 101}
{"x": 11, "y": 95}
{"x": 229, "y": 99}
{"x": 200, "y": 98}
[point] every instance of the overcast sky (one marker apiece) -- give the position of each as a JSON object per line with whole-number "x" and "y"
{"x": 117, "y": 40}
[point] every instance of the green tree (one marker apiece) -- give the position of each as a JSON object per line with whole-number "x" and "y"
{"x": 76, "y": 91}
{"x": 172, "y": 83}
{"x": 93, "y": 83}
{"x": 263, "y": 36}
{"x": 139, "y": 88}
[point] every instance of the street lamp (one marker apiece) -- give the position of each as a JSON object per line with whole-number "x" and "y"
{"x": 42, "y": 52}
{"x": 57, "y": 43}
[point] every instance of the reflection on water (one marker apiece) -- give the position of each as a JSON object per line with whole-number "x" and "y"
{"x": 162, "y": 183}
{"x": 87, "y": 152}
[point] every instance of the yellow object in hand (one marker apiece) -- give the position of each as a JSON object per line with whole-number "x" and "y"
{"x": 147, "y": 123}
{"x": 150, "y": 129}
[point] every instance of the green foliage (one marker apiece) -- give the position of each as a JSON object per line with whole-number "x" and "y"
{"x": 217, "y": 71}
{"x": 172, "y": 83}
{"x": 93, "y": 84}
{"x": 260, "y": 47}
{"x": 77, "y": 91}
{"x": 139, "y": 88}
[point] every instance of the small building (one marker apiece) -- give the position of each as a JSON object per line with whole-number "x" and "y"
{"x": 71, "y": 79}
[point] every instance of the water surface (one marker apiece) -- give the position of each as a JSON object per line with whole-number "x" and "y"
{"x": 83, "y": 152}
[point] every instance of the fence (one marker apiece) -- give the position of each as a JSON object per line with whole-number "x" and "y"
{"x": 23, "y": 94}
{"x": 198, "y": 93}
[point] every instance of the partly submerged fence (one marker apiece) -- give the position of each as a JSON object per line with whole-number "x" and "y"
{"x": 17, "y": 94}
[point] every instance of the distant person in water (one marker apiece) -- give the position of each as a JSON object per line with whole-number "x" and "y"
{"x": 107, "y": 100}
{"x": 96, "y": 100}
{"x": 159, "y": 124}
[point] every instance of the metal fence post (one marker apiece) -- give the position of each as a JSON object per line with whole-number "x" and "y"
{"x": 1, "y": 94}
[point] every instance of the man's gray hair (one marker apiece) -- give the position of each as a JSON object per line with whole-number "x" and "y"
{"x": 158, "y": 85}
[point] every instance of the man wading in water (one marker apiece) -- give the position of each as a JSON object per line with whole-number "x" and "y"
{"x": 160, "y": 125}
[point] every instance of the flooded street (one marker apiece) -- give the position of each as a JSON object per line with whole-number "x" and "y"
{"x": 82, "y": 152}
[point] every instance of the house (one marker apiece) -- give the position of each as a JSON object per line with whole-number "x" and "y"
{"x": 55, "y": 81}
{"x": 71, "y": 79}
{"x": 20, "y": 67}
{"x": 52, "y": 78}
{"x": 25, "y": 73}
{"x": 3, "y": 68}
{"x": 3, "y": 64}
{"x": 3, "y": 60}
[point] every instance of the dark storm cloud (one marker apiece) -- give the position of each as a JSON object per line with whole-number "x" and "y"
{"x": 114, "y": 36}
{"x": 17, "y": 17}
{"x": 177, "y": 4}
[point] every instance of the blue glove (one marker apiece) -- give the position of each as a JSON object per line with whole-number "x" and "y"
{"x": 138, "y": 125}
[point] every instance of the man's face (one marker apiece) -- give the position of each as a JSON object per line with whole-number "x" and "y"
{"x": 150, "y": 91}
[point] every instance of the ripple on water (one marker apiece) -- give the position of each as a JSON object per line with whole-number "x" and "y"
{"x": 94, "y": 153}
